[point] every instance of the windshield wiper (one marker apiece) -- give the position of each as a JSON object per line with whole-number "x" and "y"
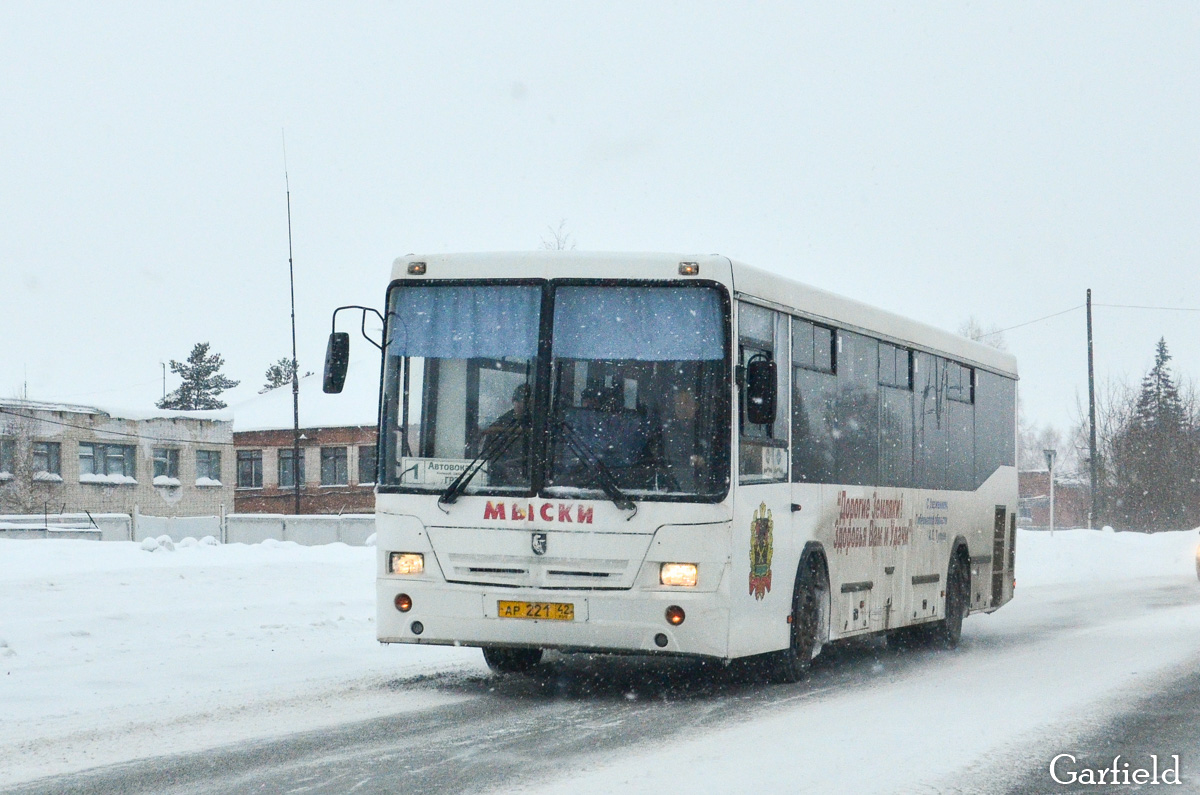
{"x": 493, "y": 448}
{"x": 599, "y": 470}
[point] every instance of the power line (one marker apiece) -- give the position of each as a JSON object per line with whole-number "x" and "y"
{"x": 1155, "y": 308}
{"x": 75, "y": 395}
{"x": 1031, "y": 322}
{"x": 99, "y": 431}
{"x": 1081, "y": 306}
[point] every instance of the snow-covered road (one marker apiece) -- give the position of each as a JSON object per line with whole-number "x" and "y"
{"x": 256, "y": 667}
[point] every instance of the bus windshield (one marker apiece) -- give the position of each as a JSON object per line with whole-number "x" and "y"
{"x": 637, "y": 396}
{"x": 637, "y": 388}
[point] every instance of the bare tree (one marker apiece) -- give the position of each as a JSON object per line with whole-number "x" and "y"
{"x": 560, "y": 239}
{"x": 993, "y": 335}
{"x": 1115, "y": 401}
{"x": 1034, "y": 439}
{"x": 18, "y": 494}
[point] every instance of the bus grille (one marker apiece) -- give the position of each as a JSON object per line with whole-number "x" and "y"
{"x": 547, "y": 573}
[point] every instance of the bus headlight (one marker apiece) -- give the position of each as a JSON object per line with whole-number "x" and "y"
{"x": 406, "y": 563}
{"x": 682, "y": 574}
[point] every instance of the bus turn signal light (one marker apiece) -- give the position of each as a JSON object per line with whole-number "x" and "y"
{"x": 403, "y": 602}
{"x": 675, "y": 615}
{"x": 683, "y": 574}
{"x": 406, "y": 563}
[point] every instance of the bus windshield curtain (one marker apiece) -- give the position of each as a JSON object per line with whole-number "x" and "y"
{"x": 640, "y": 323}
{"x": 465, "y": 322}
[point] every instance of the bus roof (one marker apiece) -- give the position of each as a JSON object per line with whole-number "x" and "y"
{"x": 744, "y": 280}
{"x": 843, "y": 312}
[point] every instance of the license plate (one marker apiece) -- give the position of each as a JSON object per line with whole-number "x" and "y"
{"x": 548, "y": 611}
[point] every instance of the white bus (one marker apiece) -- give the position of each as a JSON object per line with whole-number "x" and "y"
{"x": 678, "y": 455}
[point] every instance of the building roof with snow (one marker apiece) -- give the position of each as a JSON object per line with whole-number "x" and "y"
{"x": 357, "y": 405}
{"x": 115, "y": 412}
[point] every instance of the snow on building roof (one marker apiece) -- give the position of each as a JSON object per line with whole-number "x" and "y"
{"x": 118, "y": 413}
{"x": 357, "y": 405}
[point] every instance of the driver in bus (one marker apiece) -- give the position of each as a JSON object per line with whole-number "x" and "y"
{"x": 683, "y": 453}
{"x": 511, "y": 467}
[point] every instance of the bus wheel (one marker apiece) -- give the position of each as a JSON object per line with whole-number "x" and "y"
{"x": 792, "y": 664}
{"x": 946, "y": 633}
{"x": 511, "y": 661}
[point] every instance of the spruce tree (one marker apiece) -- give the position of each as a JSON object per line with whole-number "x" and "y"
{"x": 202, "y": 382}
{"x": 1154, "y": 456}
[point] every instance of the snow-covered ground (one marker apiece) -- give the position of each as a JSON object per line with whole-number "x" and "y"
{"x": 109, "y": 653}
{"x": 1076, "y": 645}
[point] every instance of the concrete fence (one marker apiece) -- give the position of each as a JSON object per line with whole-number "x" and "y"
{"x": 97, "y": 526}
{"x": 234, "y": 528}
{"x": 177, "y": 527}
{"x": 310, "y": 530}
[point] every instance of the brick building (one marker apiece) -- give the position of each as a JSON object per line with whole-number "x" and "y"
{"x": 337, "y": 449}
{"x": 1072, "y": 500}
{"x": 60, "y": 457}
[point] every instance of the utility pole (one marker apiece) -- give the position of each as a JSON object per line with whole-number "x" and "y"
{"x": 1050, "y": 455}
{"x": 1094, "y": 513}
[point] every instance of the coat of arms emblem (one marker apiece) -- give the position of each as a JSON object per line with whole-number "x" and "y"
{"x": 762, "y": 530}
{"x": 538, "y": 542}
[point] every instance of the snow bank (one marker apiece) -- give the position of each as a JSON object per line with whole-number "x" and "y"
{"x": 1088, "y": 555}
{"x": 97, "y": 640}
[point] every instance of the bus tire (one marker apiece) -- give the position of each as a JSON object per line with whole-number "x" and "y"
{"x": 946, "y": 633}
{"x": 511, "y": 661}
{"x": 792, "y": 664}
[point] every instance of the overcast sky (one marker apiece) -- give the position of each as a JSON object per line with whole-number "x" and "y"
{"x": 938, "y": 160}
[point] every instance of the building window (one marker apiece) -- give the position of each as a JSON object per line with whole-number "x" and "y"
{"x": 287, "y": 471}
{"x": 8, "y": 456}
{"x": 208, "y": 467}
{"x": 166, "y": 462}
{"x": 249, "y": 469}
{"x": 333, "y": 466}
{"x": 367, "y": 463}
{"x": 114, "y": 463}
{"x": 47, "y": 458}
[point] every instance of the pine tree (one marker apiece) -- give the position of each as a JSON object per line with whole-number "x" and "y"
{"x": 279, "y": 374}
{"x": 1154, "y": 456}
{"x": 202, "y": 382}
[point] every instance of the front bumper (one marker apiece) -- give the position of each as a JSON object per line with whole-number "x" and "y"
{"x": 605, "y": 621}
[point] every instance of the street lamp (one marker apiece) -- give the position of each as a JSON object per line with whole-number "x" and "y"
{"x": 1050, "y": 456}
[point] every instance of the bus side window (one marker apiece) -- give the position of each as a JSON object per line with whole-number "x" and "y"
{"x": 856, "y": 421}
{"x": 763, "y": 447}
{"x": 929, "y": 422}
{"x": 814, "y": 396}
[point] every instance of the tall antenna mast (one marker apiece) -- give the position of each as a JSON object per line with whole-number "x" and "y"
{"x": 297, "y": 469}
{"x": 1093, "y": 464}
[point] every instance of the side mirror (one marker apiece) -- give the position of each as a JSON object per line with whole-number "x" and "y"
{"x": 337, "y": 359}
{"x": 760, "y": 390}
